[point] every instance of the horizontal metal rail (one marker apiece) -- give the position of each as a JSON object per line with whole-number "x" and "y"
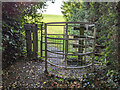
{"x": 52, "y": 43}
{"x": 69, "y": 38}
{"x": 82, "y": 36}
{"x": 92, "y": 25}
{"x": 79, "y": 36}
{"x": 83, "y": 25}
{"x": 54, "y": 57}
{"x": 73, "y": 54}
{"x": 70, "y": 23}
{"x": 78, "y": 45}
{"x": 68, "y": 67}
{"x": 55, "y": 25}
{"x": 88, "y": 45}
{"x": 56, "y": 51}
{"x": 53, "y": 34}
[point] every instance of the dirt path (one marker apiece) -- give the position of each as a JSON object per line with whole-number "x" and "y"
{"x": 24, "y": 74}
{"x": 72, "y": 73}
{"x": 30, "y": 74}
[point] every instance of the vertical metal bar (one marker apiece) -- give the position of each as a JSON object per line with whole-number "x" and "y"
{"x": 86, "y": 43}
{"x": 36, "y": 40}
{"x": 63, "y": 41}
{"x": 57, "y": 51}
{"x": 1, "y": 82}
{"x": 94, "y": 41}
{"x": 46, "y": 71}
{"x": 66, "y": 47}
{"x": 41, "y": 41}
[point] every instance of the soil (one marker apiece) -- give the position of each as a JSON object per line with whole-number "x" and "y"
{"x": 30, "y": 74}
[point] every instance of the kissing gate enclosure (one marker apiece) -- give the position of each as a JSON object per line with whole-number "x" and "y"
{"x": 68, "y": 48}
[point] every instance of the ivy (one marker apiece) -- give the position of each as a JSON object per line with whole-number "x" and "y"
{"x": 13, "y": 18}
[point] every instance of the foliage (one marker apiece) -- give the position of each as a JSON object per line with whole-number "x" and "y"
{"x": 74, "y": 11}
{"x": 13, "y": 41}
{"x": 105, "y": 15}
{"x": 31, "y": 14}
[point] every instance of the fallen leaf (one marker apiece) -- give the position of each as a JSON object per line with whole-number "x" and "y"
{"x": 44, "y": 83}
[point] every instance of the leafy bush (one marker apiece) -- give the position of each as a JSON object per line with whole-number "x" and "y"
{"x": 13, "y": 20}
{"x": 105, "y": 15}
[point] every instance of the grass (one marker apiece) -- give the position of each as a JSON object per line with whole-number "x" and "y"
{"x": 54, "y": 18}
{"x": 52, "y": 29}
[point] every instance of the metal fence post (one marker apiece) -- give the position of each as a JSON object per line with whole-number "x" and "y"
{"x": 46, "y": 71}
{"x": 41, "y": 40}
{"x": 66, "y": 48}
{"x": 64, "y": 41}
{"x": 93, "y": 56}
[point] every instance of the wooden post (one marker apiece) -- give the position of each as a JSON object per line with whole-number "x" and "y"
{"x": 35, "y": 40}
{"x": 28, "y": 28}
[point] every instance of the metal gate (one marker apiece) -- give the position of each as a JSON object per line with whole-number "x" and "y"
{"x": 71, "y": 48}
{"x": 68, "y": 48}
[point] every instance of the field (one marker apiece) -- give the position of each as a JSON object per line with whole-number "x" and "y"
{"x": 54, "y": 18}
{"x": 52, "y": 29}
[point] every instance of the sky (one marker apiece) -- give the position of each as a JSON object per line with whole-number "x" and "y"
{"x": 54, "y": 8}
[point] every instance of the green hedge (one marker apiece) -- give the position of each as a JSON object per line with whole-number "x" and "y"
{"x": 13, "y": 20}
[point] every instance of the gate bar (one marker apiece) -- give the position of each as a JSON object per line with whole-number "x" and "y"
{"x": 69, "y": 23}
{"x": 41, "y": 40}
{"x": 46, "y": 71}
{"x": 66, "y": 49}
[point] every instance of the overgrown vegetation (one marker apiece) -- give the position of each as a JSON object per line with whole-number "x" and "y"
{"x": 105, "y": 15}
{"x": 14, "y": 16}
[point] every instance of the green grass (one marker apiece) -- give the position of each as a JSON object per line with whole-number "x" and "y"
{"x": 54, "y": 18}
{"x": 52, "y": 29}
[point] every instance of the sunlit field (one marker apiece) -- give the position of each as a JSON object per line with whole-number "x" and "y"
{"x": 51, "y": 29}
{"x": 54, "y": 18}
